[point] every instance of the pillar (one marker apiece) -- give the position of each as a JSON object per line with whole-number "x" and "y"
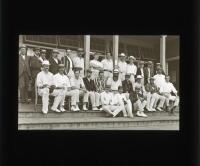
{"x": 87, "y": 51}
{"x": 115, "y": 49}
{"x": 20, "y": 39}
{"x": 163, "y": 52}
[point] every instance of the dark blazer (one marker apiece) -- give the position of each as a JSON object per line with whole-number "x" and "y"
{"x": 53, "y": 68}
{"x": 151, "y": 88}
{"x": 146, "y": 74}
{"x": 65, "y": 60}
{"x": 35, "y": 66}
{"x": 127, "y": 86}
{"x": 135, "y": 96}
{"x": 24, "y": 66}
{"x": 89, "y": 85}
{"x": 139, "y": 72}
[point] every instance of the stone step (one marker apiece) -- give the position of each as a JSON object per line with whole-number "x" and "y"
{"x": 101, "y": 123}
{"x": 80, "y": 114}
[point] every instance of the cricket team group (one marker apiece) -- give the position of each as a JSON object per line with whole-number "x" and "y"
{"x": 126, "y": 87}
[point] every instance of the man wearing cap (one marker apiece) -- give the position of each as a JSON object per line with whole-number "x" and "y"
{"x": 153, "y": 96}
{"x": 166, "y": 90}
{"x": 78, "y": 84}
{"x": 139, "y": 101}
{"x": 35, "y": 68}
{"x": 140, "y": 71}
{"x": 54, "y": 61}
{"x": 158, "y": 66}
{"x": 67, "y": 61}
{"x": 42, "y": 55}
{"x": 159, "y": 78}
{"x": 127, "y": 85}
{"x": 44, "y": 82}
{"x": 131, "y": 69}
{"x": 115, "y": 81}
{"x": 78, "y": 61}
{"x": 24, "y": 73}
{"x": 95, "y": 66}
{"x": 148, "y": 72}
{"x": 122, "y": 66}
{"x": 92, "y": 91}
{"x": 62, "y": 89}
{"x": 108, "y": 66}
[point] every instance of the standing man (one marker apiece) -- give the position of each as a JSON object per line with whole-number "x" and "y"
{"x": 140, "y": 71}
{"x": 67, "y": 61}
{"x": 96, "y": 66}
{"x": 62, "y": 89}
{"x": 78, "y": 84}
{"x": 131, "y": 69}
{"x": 148, "y": 72}
{"x": 108, "y": 66}
{"x": 166, "y": 91}
{"x": 78, "y": 61}
{"x": 43, "y": 55}
{"x": 35, "y": 68}
{"x": 158, "y": 66}
{"x": 24, "y": 74}
{"x": 122, "y": 66}
{"x": 127, "y": 85}
{"x": 54, "y": 61}
{"x": 115, "y": 81}
{"x": 44, "y": 83}
{"x": 92, "y": 91}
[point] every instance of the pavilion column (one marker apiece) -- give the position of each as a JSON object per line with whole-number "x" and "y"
{"x": 163, "y": 51}
{"x": 115, "y": 49}
{"x": 20, "y": 39}
{"x": 87, "y": 51}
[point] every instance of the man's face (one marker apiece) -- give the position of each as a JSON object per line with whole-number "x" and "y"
{"x": 37, "y": 52}
{"x": 139, "y": 80}
{"x": 131, "y": 61}
{"x": 43, "y": 55}
{"x": 167, "y": 79}
{"x": 89, "y": 74}
{"x": 115, "y": 76}
{"x": 159, "y": 71}
{"x": 96, "y": 57}
{"x": 122, "y": 58}
{"x": 101, "y": 75}
{"x": 137, "y": 90}
{"x": 77, "y": 73}
{"x": 127, "y": 77}
{"x": 55, "y": 55}
{"x": 149, "y": 65}
{"x": 46, "y": 67}
{"x": 61, "y": 70}
{"x": 23, "y": 51}
{"x": 120, "y": 90}
{"x": 80, "y": 53}
{"x": 108, "y": 55}
{"x": 141, "y": 65}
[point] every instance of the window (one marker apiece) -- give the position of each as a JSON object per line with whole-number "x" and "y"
{"x": 71, "y": 41}
{"x": 97, "y": 45}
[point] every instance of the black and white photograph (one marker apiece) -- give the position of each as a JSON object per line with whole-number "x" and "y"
{"x": 98, "y": 82}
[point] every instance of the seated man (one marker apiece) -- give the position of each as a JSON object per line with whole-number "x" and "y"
{"x": 166, "y": 91}
{"x": 115, "y": 81}
{"x": 138, "y": 100}
{"x": 44, "y": 82}
{"x": 78, "y": 84}
{"x": 126, "y": 102}
{"x": 91, "y": 89}
{"x": 127, "y": 85}
{"x": 63, "y": 88}
{"x": 100, "y": 83}
{"x": 111, "y": 102}
{"x": 153, "y": 96}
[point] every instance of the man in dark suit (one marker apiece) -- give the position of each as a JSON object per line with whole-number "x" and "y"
{"x": 126, "y": 84}
{"x": 24, "y": 74}
{"x": 91, "y": 88}
{"x": 158, "y": 66}
{"x": 54, "y": 62}
{"x": 148, "y": 72}
{"x": 35, "y": 67}
{"x": 140, "y": 71}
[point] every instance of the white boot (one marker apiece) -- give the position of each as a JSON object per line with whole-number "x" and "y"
{"x": 84, "y": 107}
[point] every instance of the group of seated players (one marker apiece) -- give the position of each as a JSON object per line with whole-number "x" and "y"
{"x": 114, "y": 90}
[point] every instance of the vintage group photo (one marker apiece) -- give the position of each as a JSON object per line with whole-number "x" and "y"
{"x": 98, "y": 82}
